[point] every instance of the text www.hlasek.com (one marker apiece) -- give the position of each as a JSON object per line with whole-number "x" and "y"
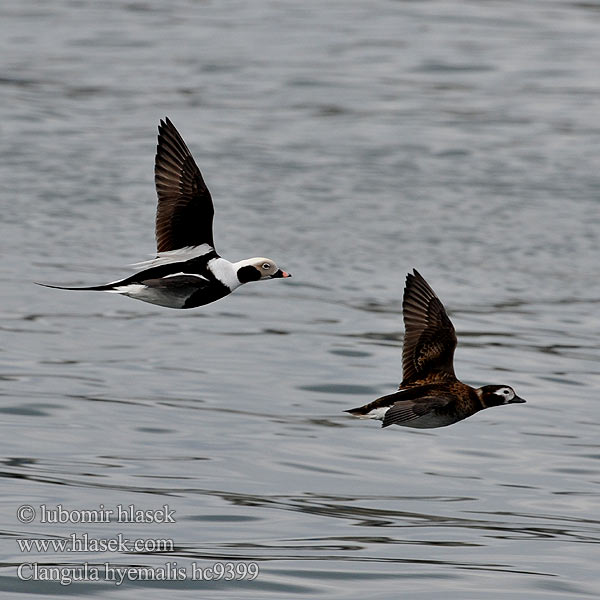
{"x": 83, "y": 543}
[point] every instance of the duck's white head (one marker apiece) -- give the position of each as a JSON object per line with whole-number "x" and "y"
{"x": 257, "y": 268}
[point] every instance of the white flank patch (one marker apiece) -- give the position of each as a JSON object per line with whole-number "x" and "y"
{"x": 133, "y": 289}
{"x": 174, "y": 256}
{"x": 376, "y": 413}
{"x": 225, "y": 272}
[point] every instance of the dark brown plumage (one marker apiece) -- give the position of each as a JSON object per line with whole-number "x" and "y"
{"x": 184, "y": 216}
{"x": 429, "y": 338}
{"x": 430, "y": 395}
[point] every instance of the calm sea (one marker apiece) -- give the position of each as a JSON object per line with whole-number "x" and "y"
{"x": 349, "y": 141}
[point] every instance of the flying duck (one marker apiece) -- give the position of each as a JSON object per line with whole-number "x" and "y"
{"x": 187, "y": 271}
{"x": 430, "y": 395}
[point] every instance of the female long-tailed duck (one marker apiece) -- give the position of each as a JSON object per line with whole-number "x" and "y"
{"x": 187, "y": 271}
{"x": 430, "y": 395}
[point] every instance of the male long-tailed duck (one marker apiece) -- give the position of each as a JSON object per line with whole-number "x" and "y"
{"x": 187, "y": 271}
{"x": 430, "y": 395}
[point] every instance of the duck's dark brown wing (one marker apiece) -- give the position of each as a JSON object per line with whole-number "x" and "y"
{"x": 430, "y": 339}
{"x": 408, "y": 410}
{"x": 184, "y": 216}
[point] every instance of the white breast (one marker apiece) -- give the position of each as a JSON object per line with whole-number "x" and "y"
{"x": 225, "y": 272}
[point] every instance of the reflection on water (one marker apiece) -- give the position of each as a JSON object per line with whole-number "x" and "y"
{"x": 356, "y": 143}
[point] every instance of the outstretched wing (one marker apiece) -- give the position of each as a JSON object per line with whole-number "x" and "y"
{"x": 184, "y": 216}
{"x": 429, "y": 339}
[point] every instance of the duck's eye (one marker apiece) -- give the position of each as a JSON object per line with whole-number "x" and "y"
{"x": 266, "y": 266}
{"x": 506, "y": 392}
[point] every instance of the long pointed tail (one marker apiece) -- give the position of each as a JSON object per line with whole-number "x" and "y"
{"x": 94, "y": 288}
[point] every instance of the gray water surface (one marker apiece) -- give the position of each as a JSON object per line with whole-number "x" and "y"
{"x": 351, "y": 142}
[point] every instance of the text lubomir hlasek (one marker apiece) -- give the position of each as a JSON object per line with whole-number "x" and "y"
{"x": 119, "y": 514}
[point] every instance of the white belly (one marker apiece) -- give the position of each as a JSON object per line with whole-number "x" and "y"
{"x": 158, "y": 296}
